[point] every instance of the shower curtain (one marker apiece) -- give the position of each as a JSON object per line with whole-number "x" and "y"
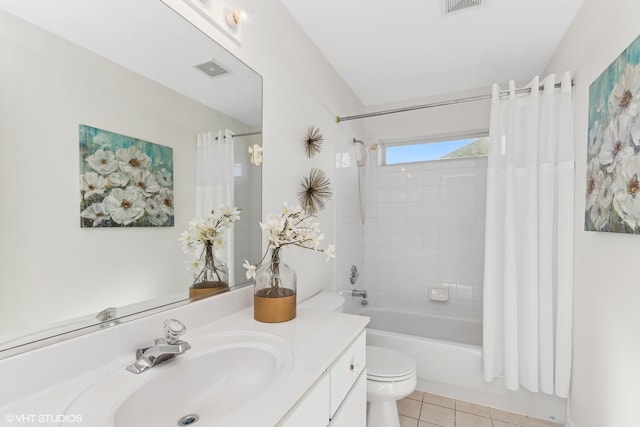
{"x": 528, "y": 274}
{"x": 214, "y": 184}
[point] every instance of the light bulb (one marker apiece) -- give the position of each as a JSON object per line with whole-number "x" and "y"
{"x": 236, "y": 17}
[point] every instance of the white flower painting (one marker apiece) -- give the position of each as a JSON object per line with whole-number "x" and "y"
{"x": 612, "y": 201}
{"x": 124, "y": 182}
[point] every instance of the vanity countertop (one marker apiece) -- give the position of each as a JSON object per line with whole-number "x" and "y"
{"x": 316, "y": 338}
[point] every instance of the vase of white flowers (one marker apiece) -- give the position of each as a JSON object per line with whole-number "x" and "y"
{"x": 203, "y": 237}
{"x": 275, "y": 287}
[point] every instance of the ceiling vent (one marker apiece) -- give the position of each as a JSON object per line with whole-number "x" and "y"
{"x": 455, "y": 5}
{"x": 212, "y": 69}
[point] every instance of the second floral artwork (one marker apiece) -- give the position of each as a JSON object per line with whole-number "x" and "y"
{"x": 124, "y": 182}
{"x": 612, "y": 201}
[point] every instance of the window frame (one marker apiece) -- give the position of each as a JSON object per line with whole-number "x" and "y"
{"x": 446, "y": 137}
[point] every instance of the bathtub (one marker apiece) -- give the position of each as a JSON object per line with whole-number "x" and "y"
{"x": 448, "y": 355}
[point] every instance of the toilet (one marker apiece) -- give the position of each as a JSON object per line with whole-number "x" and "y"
{"x": 391, "y": 375}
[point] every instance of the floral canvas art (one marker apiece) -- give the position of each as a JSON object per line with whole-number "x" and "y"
{"x": 613, "y": 150}
{"x": 124, "y": 182}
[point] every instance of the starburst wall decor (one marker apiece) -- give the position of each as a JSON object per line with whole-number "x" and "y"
{"x": 316, "y": 191}
{"x": 612, "y": 202}
{"x": 313, "y": 141}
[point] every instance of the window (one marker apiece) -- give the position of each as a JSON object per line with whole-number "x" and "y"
{"x": 439, "y": 148}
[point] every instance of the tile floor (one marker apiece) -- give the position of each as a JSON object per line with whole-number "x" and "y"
{"x": 421, "y": 409}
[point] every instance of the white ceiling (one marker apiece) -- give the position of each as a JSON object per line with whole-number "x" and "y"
{"x": 394, "y": 50}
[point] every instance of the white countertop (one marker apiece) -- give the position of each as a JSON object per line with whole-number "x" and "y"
{"x": 317, "y": 339}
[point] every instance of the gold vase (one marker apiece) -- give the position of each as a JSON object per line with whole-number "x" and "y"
{"x": 274, "y": 296}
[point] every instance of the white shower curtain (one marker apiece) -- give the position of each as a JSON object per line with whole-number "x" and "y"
{"x": 214, "y": 185}
{"x": 528, "y": 274}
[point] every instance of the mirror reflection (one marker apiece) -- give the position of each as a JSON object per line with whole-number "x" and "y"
{"x": 134, "y": 69}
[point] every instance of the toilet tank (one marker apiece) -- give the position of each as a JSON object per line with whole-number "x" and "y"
{"x": 325, "y": 301}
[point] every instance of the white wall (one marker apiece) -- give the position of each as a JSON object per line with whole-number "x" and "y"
{"x": 47, "y": 262}
{"x": 300, "y": 89}
{"x": 425, "y": 222}
{"x": 605, "y": 386}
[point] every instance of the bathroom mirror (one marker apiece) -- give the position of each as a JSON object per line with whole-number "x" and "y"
{"x": 129, "y": 68}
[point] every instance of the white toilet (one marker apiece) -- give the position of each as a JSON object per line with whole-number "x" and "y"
{"x": 391, "y": 375}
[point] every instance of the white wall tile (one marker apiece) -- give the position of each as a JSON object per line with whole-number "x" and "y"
{"x": 427, "y": 230}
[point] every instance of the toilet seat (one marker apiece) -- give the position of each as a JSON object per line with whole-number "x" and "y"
{"x": 386, "y": 365}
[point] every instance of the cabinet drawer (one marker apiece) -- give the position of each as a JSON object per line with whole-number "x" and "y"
{"x": 311, "y": 410}
{"x": 353, "y": 411}
{"x": 346, "y": 370}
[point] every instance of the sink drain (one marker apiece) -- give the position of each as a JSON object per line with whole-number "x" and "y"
{"x": 187, "y": 420}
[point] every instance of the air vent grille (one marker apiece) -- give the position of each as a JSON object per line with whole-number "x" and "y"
{"x": 455, "y": 5}
{"x": 212, "y": 69}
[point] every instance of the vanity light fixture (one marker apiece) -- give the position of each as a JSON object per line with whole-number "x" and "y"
{"x": 237, "y": 17}
{"x": 228, "y": 20}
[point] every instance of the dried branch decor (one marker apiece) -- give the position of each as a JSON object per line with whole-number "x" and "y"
{"x": 313, "y": 141}
{"x": 315, "y": 191}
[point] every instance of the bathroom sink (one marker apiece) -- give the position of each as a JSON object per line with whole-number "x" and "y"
{"x": 220, "y": 375}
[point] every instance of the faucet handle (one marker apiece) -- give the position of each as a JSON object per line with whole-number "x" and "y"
{"x": 173, "y": 330}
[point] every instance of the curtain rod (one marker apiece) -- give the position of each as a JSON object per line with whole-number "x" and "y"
{"x": 237, "y": 135}
{"x": 437, "y": 104}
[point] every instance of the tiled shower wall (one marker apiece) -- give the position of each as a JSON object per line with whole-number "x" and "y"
{"x": 425, "y": 228}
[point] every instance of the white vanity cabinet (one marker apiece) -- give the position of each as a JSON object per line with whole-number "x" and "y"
{"x": 339, "y": 397}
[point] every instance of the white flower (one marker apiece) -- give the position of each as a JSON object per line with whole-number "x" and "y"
{"x": 626, "y": 189}
{"x": 625, "y": 96}
{"x": 124, "y": 206}
{"x": 154, "y": 212}
{"x": 195, "y": 264}
{"x": 165, "y": 200}
{"x": 96, "y": 213}
{"x": 208, "y": 231}
{"x": 614, "y": 146}
{"x": 595, "y": 139}
{"x": 330, "y": 252}
{"x": 251, "y": 270}
{"x": 145, "y": 181}
{"x": 164, "y": 178}
{"x": 600, "y": 211}
{"x": 103, "y": 162}
{"x": 101, "y": 139}
{"x": 294, "y": 227}
{"x": 117, "y": 179}
{"x": 91, "y": 184}
{"x": 132, "y": 158}
{"x": 595, "y": 176}
{"x": 158, "y": 218}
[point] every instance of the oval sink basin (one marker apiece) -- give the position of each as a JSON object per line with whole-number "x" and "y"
{"x": 220, "y": 374}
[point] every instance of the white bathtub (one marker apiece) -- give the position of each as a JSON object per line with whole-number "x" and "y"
{"x": 448, "y": 355}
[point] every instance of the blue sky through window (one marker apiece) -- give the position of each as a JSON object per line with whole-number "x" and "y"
{"x": 423, "y": 152}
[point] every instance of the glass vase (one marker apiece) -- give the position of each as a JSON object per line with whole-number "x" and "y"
{"x": 274, "y": 297}
{"x": 213, "y": 278}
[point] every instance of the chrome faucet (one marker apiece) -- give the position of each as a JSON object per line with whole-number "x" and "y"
{"x": 164, "y": 349}
{"x": 355, "y": 293}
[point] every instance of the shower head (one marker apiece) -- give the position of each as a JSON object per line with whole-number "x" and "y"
{"x": 362, "y": 154}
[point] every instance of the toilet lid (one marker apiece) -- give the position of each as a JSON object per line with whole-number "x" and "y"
{"x": 386, "y": 363}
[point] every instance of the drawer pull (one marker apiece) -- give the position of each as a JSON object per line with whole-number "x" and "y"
{"x": 353, "y": 367}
